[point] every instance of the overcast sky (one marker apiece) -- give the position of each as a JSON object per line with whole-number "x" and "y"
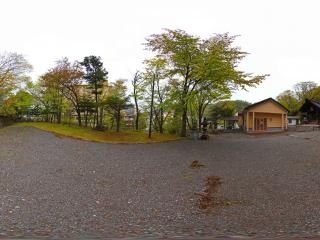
{"x": 282, "y": 37}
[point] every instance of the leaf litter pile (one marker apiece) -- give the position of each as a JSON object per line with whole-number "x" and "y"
{"x": 208, "y": 196}
{"x": 196, "y": 164}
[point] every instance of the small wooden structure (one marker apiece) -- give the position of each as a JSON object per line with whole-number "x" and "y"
{"x": 265, "y": 116}
{"x": 293, "y": 120}
{"x": 231, "y": 122}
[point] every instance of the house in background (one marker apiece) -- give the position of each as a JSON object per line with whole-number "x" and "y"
{"x": 265, "y": 116}
{"x": 293, "y": 120}
{"x": 128, "y": 117}
{"x": 310, "y": 111}
{"x": 232, "y": 123}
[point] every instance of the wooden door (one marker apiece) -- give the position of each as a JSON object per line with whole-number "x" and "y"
{"x": 260, "y": 124}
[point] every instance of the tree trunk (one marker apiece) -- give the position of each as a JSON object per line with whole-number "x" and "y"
{"x": 112, "y": 123}
{"x": 135, "y": 96}
{"x": 161, "y": 121}
{"x": 137, "y": 111}
{"x": 101, "y": 117}
{"x": 183, "y": 132}
{"x": 59, "y": 116}
{"x": 118, "y": 121}
{"x": 79, "y": 116}
{"x": 199, "y": 119}
{"x": 86, "y": 118}
{"x": 151, "y": 109}
{"x": 96, "y": 123}
{"x": 184, "y": 123}
{"x": 137, "y": 118}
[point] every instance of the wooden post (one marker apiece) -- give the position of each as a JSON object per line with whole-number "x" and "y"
{"x": 253, "y": 122}
{"x": 247, "y": 122}
{"x": 282, "y": 121}
{"x": 286, "y": 121}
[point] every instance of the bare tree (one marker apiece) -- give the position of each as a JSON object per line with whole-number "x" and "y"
{"x": 13, "y": 70}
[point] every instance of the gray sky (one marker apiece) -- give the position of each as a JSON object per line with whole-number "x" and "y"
{"x": 282, "y": 37}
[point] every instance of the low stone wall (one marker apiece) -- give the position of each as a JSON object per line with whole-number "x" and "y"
{"x": 304, "y": 128}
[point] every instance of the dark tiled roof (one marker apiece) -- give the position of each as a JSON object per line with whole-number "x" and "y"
{"x": 233, "y": 118}
{"x": 263, "y": 101}
{"x": 307, "y": 103}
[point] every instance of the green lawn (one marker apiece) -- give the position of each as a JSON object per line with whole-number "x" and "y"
{"x": 99, "y": 136}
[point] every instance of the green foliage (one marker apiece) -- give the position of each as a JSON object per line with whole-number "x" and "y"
{"x": 289, "y": 100}
{"x": 117, "y": 100}
{"x": 303, "y": 90}
{"x": 95, "y": 72}
{"x": 99, "y": 136}
{"x": 293, "y": 100}
{"x": 13, "y": 72}
{"x": 95, "y": 75}
{"x": 24, "y": 102}
{"x": 65, "y": 78}
{"x": 157, "y": 92}
{"x": 225, "y": 109}
{"x": 7, "y": 107}
{"x": 193, "y": 65}
{"x": 316, "y": 93}
{"x": 240, "y": 105}
{"x": 173, "y": 125}
{"x": 185, "y": 76}
{"x": 137, "y": 95}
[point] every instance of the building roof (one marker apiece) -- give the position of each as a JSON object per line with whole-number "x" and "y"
{"x": 293, "y": 117}
{"x": 232, "y": 118}
{"x": 309, "y": 102}
{"x": 264, "y": 101}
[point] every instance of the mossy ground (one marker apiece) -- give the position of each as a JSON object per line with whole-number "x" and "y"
{"x": 99, "y": 136}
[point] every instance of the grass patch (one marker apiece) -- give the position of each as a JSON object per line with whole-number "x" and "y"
{"x": 99, "y": 136}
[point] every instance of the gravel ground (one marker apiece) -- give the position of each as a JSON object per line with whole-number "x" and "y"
{"x": 53, "y": 187}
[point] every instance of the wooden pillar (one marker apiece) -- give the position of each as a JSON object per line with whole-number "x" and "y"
{"x": 253, "y": 127}
{"x": 247, "y": 122}
{"x": 286, "y": 121}
{"x": 282, "y": 121}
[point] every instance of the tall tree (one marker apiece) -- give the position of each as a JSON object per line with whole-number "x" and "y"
{"x": 226, "y": 108}
{"x": 203, "y": 96}
{"x": 154, "y": 73}
{"x": 23, "y": 104}
{"x": 96, "y": 76}
{"x": 67, "y": 77}
{"x": 303, "y": 90}
{"x": 117, "y": 100}
{"x": 240, "y": 105}
{"x": 161, "y": 103}
{"x": 221, "y": 110}
{"x": 192, "y": 61}
{"x": 316, "y": 93}
{"x": 137, "y": 93}
{"x": 87, "y": 107}
{"x": 13, "y": 71}
{"x": 289, "y": 100}
{"x": 43, "y": 99}
{"x": 52, "y": 97}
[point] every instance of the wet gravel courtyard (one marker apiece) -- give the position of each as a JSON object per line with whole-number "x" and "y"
{"x": 53, "y": 187}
